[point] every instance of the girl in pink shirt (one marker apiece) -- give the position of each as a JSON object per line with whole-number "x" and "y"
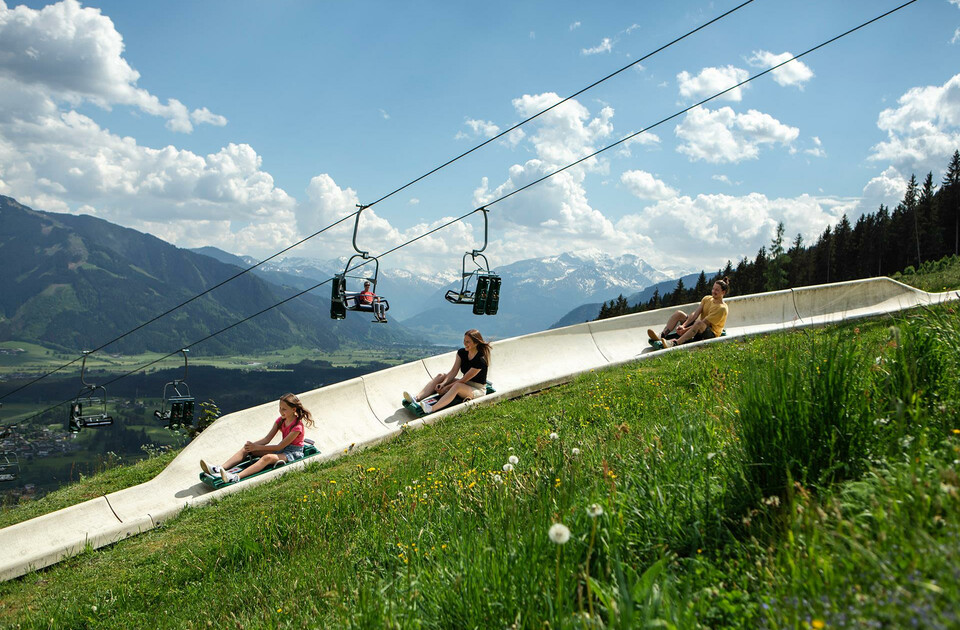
{"x": 290, "y": 424}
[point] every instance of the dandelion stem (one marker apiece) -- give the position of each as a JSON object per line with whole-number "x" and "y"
{"x": 558, "y": 579}
{"x": 586, "y": 566}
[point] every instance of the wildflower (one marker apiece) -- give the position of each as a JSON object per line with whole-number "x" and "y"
{"x": 574, "y": 451}
{"x": 773, "y": 500}
{"x": 559, "y": 533}
{"x": 513, "y": 459}
{"x": 554, "y": 436}
{"x": 507, "y": 467}
{"x": 595, "y": 510}
{"x": 956, "y": 431}
{"x": 497, "y": 479}
{"x": 817, "y": 623}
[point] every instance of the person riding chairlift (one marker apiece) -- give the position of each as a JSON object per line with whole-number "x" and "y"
{"x": 369, "y": 298}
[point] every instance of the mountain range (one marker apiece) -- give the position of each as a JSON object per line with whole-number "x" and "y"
{"x": 588, "y": 312}
{"x": 74, "y": 282}
{"x": 535, "y": 292}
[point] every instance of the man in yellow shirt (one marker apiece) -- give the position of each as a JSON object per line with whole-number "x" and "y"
{"x": 706, "y": 322}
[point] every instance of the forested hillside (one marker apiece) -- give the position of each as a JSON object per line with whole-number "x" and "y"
{"x": 74, "y": 282}
{"x": 922, "y": 229}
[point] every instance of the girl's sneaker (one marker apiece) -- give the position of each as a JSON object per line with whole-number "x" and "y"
{"x": 213, "y": 471}
{"x": 229, "y": 477}
{"x": 427, "y": 407}
{"x": 408, "y": 398}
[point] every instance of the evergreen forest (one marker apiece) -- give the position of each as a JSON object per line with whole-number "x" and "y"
{"x": 923, "y": 228}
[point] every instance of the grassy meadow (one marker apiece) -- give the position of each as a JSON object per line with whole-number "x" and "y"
{"x": 796, "y": 480}
{"x": 18, "y": 357}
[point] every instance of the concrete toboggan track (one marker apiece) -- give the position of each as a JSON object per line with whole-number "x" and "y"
{"x": 364, "y": 411}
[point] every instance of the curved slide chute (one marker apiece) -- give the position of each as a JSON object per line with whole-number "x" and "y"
{"x": 364, "y": 411}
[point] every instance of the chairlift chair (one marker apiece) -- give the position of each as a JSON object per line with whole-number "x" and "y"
{"x": 342, "y": 300}
{"x": 9, "y": 466}
{"x": 177, "y": 406}
{"x": 9, "y": 461}
{"x": 485, "y": 294}
{"x": 89, "y": 408}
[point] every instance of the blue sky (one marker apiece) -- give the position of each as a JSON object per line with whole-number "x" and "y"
{"x": 248, "y": 125}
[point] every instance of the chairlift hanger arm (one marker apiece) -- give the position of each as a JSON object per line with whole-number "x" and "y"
{"x": 486, "y": 226}
{"x": 83, "y": 368}
{"x": 356, "y": 228}
{"x": 184, "y": 351}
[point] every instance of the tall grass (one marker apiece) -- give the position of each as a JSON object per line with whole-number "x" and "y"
{"x": 806, "y": 414}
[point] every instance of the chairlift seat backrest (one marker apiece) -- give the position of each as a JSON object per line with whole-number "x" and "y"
{"x": 493, "y": 295}
{"x": 338, "y": 293}
{"x": 487, "y": 296}
{"x": 181, "y": 410}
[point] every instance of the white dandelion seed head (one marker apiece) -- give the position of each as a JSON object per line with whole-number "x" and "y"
{"x": 554, "y": 436}
{"x": 559, "y": 533}
{"x": 513, "y": 459}
{"x": 507, "y": 467}
{"x": 574, "y": 451}
{"x": 497, "y": 479}
{"x": 594, "y": 510}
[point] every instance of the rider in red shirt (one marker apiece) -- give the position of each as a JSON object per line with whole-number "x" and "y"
{"x": 370, "y": 298}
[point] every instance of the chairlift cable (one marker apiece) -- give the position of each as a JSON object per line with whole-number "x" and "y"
{"x": 562, "y": 101}
{"x": 407, "y": 185}
{"x": 510, "y": 194}
{"x": 698, "y": 104}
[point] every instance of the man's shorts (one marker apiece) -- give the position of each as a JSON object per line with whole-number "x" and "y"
{"x": 706, "y": 334}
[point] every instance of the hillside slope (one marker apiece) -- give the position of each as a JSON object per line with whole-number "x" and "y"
{"x": 73, "y": 282}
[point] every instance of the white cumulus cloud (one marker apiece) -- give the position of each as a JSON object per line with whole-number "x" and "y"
{"x": 645, "y": 186}
{"x": 923, "y": 131}
{"x": 565, "y": 133}
{"x": 708, "y": 230}
{"x": 710, "y": 81}
{"x": 75, "y": 54}
{"x": 794, "y": 73}
{"x": 725, "y": 136}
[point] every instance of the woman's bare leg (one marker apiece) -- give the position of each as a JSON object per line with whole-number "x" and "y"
{"x": 430, "y": 389}
{"x": 457, "y": 390}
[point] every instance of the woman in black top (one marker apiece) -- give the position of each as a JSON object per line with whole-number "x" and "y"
{"x": 471, "y": 362}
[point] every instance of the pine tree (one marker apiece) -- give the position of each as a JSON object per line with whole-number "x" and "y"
{"x": 621, "y": 306}
{"x": 776, "y": 275}
{"x": 881, "y": 226}
{"x": 678, "y": 293}
{"x": 701, "y": 286}
{"x": 909, "y": 204}
{"x": 929, "y": 221}
{"x": 950, "y": 197}
{"x": 842, "y": 250}
{"x": 759, "y": 273}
